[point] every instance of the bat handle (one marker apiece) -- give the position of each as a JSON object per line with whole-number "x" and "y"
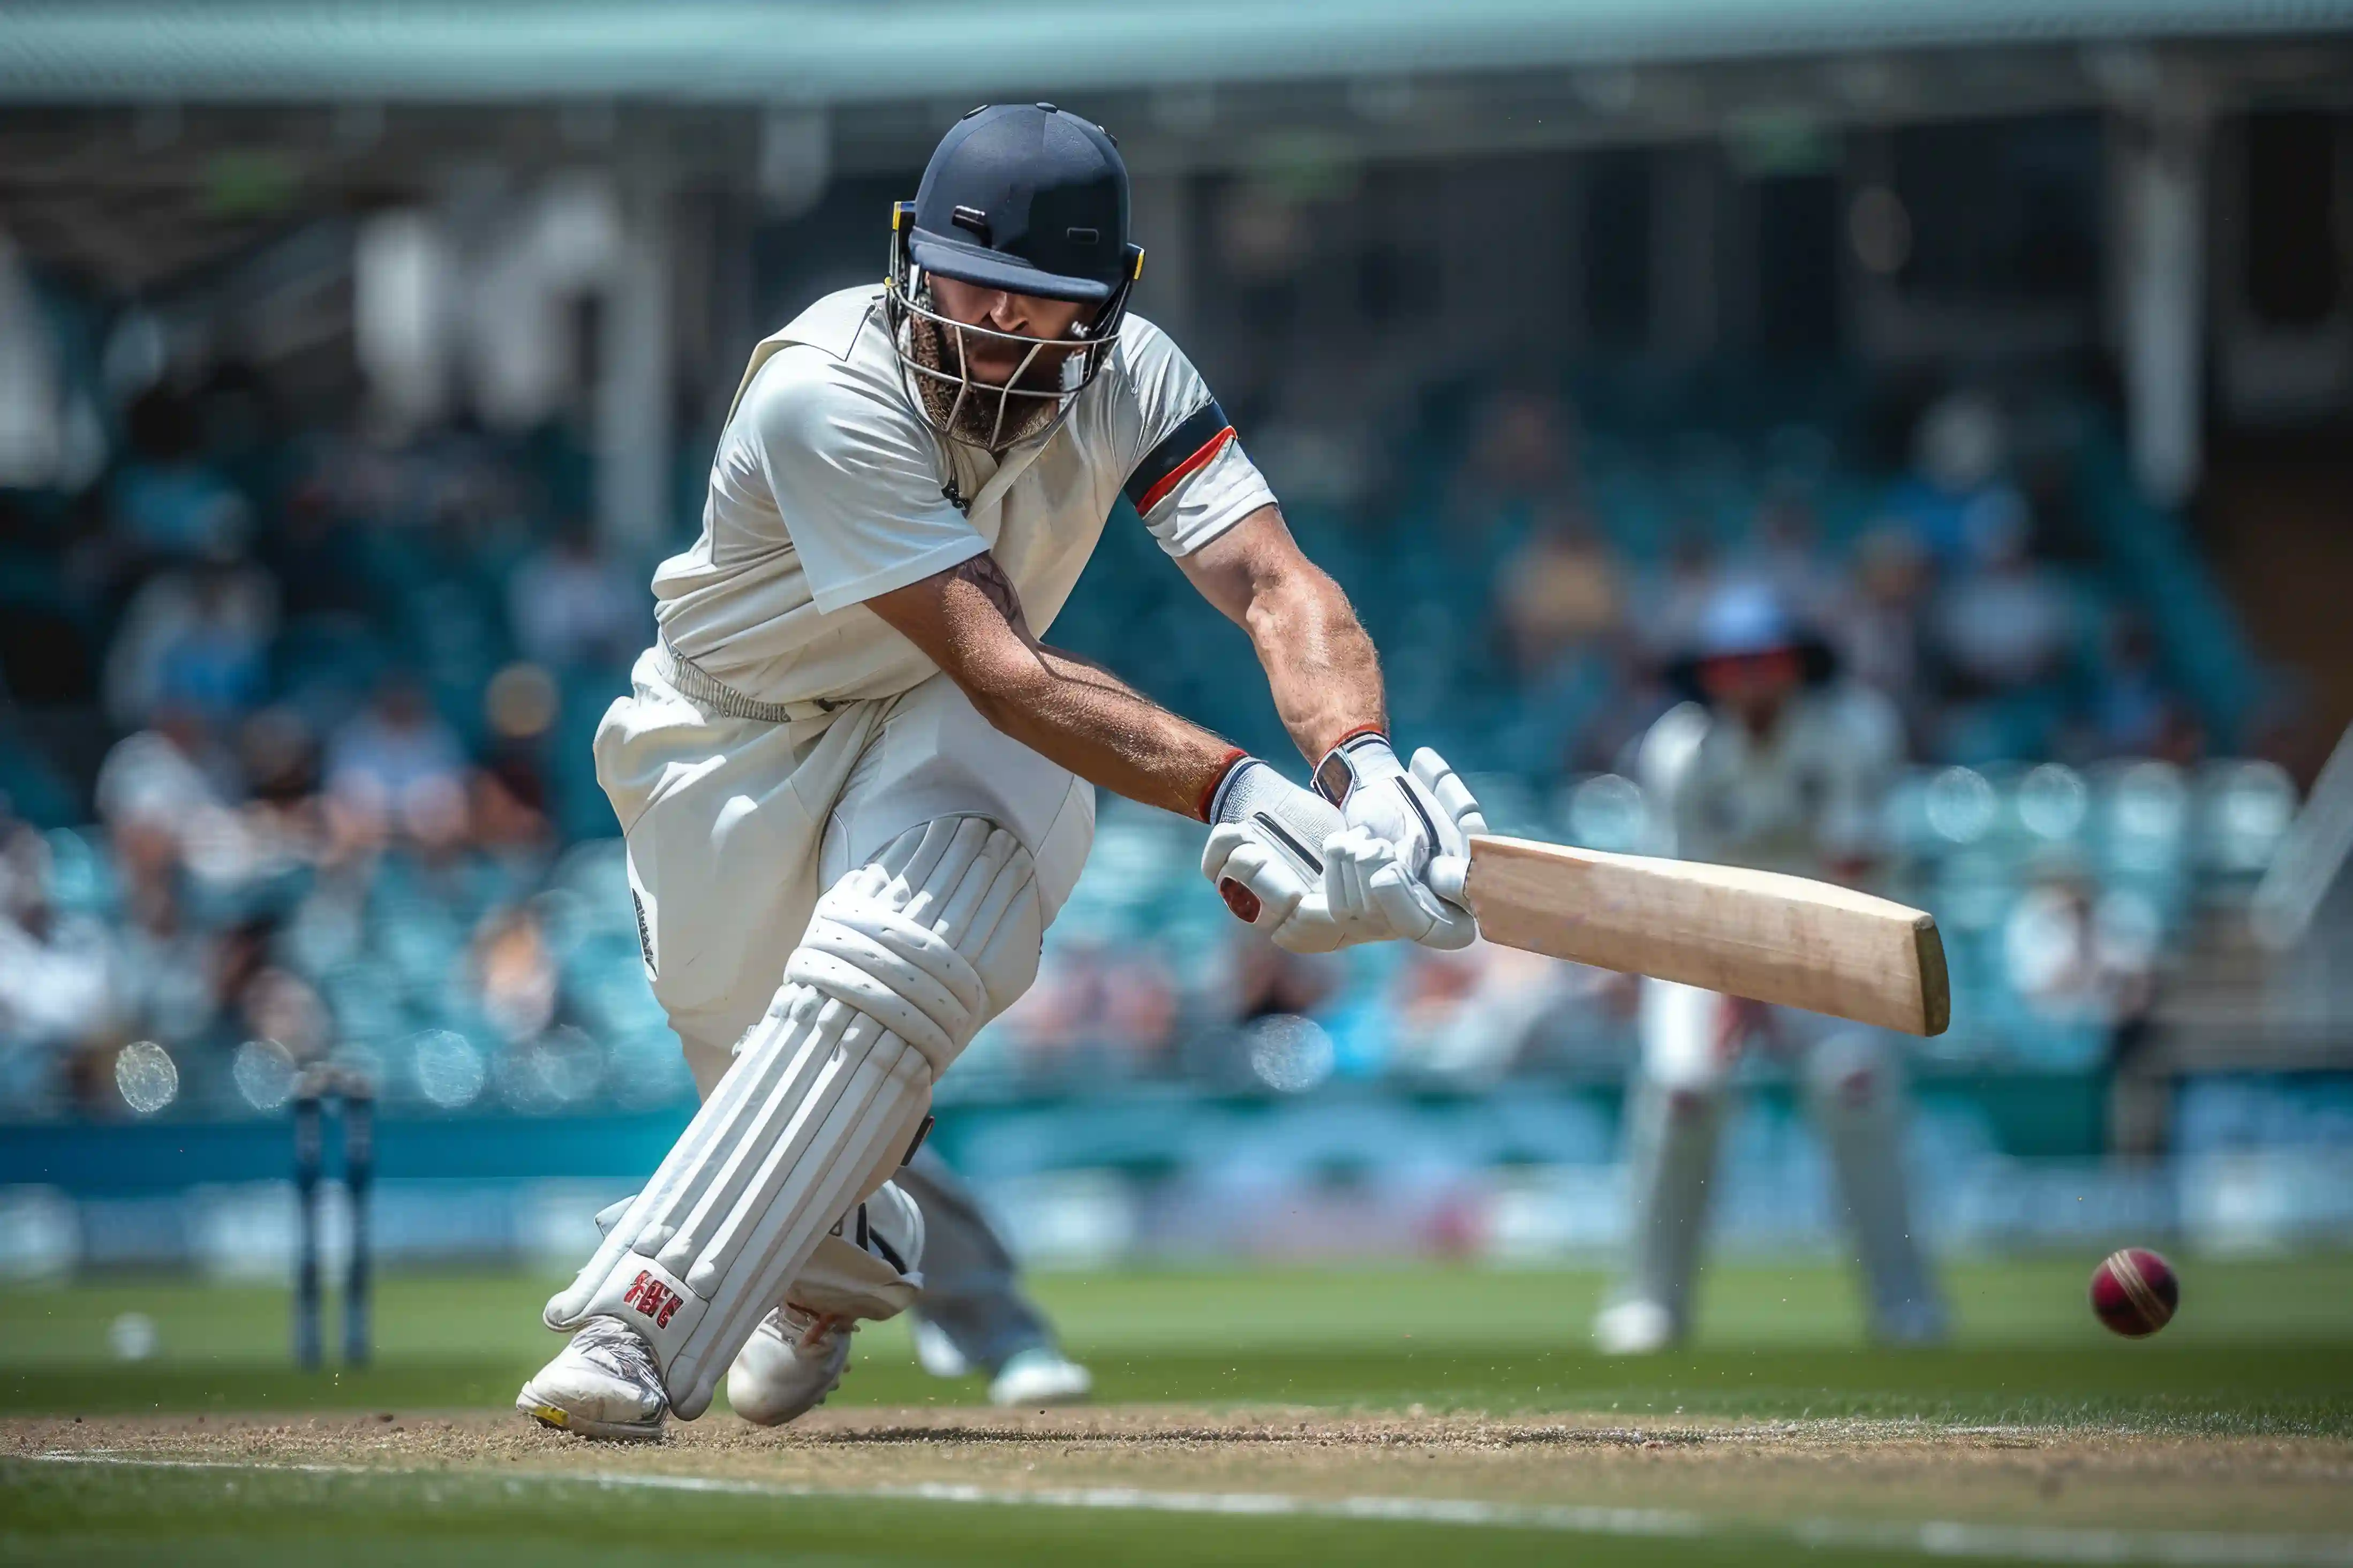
{"x": 1447, "y": 873}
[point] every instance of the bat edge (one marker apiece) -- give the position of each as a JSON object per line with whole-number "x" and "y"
{"x": 1935, "y": 979}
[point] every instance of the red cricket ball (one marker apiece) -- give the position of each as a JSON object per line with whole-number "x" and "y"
{"x": 2134, "y": 1292}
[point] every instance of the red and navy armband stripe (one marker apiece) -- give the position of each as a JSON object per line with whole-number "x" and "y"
{"x": 1186, "y": 451}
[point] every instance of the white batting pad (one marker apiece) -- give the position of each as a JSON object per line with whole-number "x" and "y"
{"x": 1854, "y": 1083}
{"x": 867, "y": 1266}
{"x": 1671, "y": 1135}
{"x": 870, "y": 1265}
{"x": 903, "y": 960}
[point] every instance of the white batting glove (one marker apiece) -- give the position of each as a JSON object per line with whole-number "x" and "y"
{"x": 1366, "y": 883}
{"x": 1265, "y": 857}
{"x": 1426, "y": 812}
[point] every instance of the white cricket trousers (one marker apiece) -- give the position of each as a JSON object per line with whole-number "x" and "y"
{"x": 734, "y": 825}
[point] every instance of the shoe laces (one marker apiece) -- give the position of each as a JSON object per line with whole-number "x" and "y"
{"x": 613, "y": 1346}
{"x": 806, "y": 1332}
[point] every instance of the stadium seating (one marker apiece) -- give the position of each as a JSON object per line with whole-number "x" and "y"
{"x": 2058, "y": 887}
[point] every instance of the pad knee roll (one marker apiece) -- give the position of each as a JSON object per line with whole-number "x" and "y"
{"x": 906, "y": 958}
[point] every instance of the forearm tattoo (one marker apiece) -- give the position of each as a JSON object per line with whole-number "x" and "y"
{"x": 984, "y": 573}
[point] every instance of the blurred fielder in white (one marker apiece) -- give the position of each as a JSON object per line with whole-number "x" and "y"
{"x": 972, "y": 1315}
{"x": 1782, "y": 768}
{"x": 856, "y": 786}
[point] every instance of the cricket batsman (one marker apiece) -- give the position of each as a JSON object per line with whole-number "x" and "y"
{"x": 1782, "y": 768}
{"x": 856, "y": 787}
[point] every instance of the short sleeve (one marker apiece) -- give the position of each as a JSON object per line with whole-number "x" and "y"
{"x": 1190, "y": 480}
{"x": 854, "y": 481}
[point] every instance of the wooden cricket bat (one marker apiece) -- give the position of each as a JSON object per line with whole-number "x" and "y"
{"x": 1758, "y": 934}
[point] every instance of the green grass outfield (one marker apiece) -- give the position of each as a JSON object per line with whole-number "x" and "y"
{"x": 2262, "y": 1348}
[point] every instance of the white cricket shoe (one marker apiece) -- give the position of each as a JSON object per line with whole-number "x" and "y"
{"x": 1041, "y": 1375}
{"x": 603, "y": 1385}
{"x": 793, "y": 1360}
{"x": 869, "y": 1268}
{"x": 1633, "y": 1328}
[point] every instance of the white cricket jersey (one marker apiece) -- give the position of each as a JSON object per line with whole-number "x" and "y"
{"x": 1809, "y": 793}
{"x": 830, "y": 487}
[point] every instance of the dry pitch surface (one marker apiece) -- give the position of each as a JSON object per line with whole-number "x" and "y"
{"x": 1762, "y": 1473}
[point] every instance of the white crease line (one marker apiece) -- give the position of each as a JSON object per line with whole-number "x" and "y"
{"x": 1933, "y": 1538}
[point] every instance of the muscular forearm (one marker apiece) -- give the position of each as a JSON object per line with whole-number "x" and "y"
{"x": 1320, "y": 665}
{"x": 968, "y": 620}
{"x": 1083, "y": 717}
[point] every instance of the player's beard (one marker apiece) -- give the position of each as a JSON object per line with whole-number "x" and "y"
{"x": 974, "y": 420}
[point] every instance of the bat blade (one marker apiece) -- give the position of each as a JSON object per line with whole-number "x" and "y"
{"x": 1758, "y": 934}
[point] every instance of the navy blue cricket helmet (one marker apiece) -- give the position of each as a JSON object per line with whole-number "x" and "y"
{"x": 1032, "y": 200}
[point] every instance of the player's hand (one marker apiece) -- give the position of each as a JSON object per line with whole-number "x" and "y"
{"x": 1426, "y": 812}
{"x": 1375, "y": 791}
{"x": 1265, "y": 857}
{"x": 1366, "y": 882}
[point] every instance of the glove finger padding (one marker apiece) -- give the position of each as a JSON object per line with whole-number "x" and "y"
{"x": 1343, "y": 875}
{"x": 1451, "y": 793}
{"x": 1272, "y": 889}
{"x": 1382, "y": 889}
{"x": 1313, "y": 929}
{"x": 1375, "y": 898}
{"x": 1413, "y": 910}
{"x": 1263, "y": 888}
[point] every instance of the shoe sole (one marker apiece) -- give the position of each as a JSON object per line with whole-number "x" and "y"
{"x": 830, "y": 1389}
{"x": 562, "y": 1420}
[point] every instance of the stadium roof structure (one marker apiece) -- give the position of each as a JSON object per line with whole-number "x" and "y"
{"x": 846, "y": 52}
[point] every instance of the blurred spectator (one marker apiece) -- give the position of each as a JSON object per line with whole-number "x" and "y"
{"x": 1046, "y": 1023}
{"x": 513, "y": 973}
{"x": 276, "y": 1004}
{"x": 1139, "y": 1008}
{"x": 319, "y": 558}
{"x": 156, "y": 789}
{"x": 397, "y": 764}
{"x": 1785, "y": 552}
{"x": 1526, "y": 448}
{"x": 58, "y": 972}
{"x": 573, "y": 606}
{"x": 32, "y": 437}
{"x": 165, "y": 500}
{"x": 1960, "y": 453}
{"x": 169, "y": 986}
{"x": 280, "y": 763}
{"x": 252, "y": 997}
{"x": 1560, "y": 591}
{"x": 510, "y": 791}
{"x": 1878, "y": 631}
{"x": 1118, "y": 1007}
{"x": 1667, "y": 608}
{"x": 2008, "y": 622}
{"x": 507, "y": 805}
{"x": 196, "y": 636}
{"x": 159, "y": 777}
{"x": 2134, "y": 713}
